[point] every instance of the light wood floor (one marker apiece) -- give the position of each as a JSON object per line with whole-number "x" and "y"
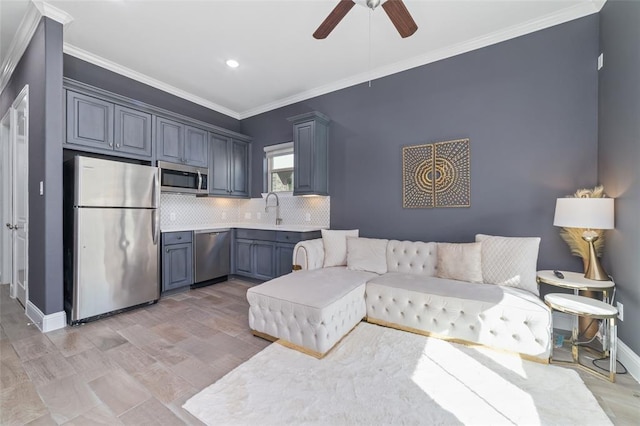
{"x": 140, "y": 367}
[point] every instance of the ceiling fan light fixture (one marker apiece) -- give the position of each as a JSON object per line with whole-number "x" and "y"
{"x": 372, "y": 4}
{"x": 232, "y": 63}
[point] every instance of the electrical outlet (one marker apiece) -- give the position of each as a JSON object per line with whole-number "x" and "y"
{"x": 258, "y": 215}
{"x": 620, "y": 307}
{"x": 247, "y": 215}
{"x": 172, "y": 216}
{"x": 307, "y": 217}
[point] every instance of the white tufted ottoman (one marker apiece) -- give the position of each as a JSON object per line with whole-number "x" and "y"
{"x": 309, "y": 310}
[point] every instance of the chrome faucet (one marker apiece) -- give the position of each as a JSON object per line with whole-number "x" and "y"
{"x": 277, "y": 206}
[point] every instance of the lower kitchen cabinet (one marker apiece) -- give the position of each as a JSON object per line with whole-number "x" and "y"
{"x": 284, "y": 258}
{"x": 255, "y": 259}
{"x": 177, "y": 260}
{"x": 263, "y": 260}
{"x": 243, "y": 257}
{"x": 265, "y": 254}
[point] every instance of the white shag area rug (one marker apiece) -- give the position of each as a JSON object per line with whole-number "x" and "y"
{"x": 382, "y": 376}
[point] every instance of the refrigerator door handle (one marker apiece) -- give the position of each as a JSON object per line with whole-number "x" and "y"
{"x": 155, "y": 190}
{"x": 155, "y": 229}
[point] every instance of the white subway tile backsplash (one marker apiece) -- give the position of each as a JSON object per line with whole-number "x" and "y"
{"x": 188, "y": 210}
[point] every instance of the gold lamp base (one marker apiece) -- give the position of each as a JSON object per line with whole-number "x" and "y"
{"x": 594, "y": 271}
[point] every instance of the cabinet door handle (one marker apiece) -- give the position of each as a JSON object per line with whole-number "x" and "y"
{"x": 111, "y": 144}
{"x": 118, "y": 145}
{"x": 167, "y": 250}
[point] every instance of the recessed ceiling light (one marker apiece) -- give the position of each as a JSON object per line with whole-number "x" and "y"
{"x": 232, "y": 63}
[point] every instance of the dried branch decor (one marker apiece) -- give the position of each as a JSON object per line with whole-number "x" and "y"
{"x": 573, "y": 236}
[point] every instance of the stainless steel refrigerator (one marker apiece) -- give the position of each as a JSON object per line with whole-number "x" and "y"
{"x": 111, "y": 232}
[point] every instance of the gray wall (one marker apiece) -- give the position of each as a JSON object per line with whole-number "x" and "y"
{"x": 619, "y": 154}
{"x": 94, "y": 75}
{"x": 41, "y": 68}
{"x": 529, "y": 107}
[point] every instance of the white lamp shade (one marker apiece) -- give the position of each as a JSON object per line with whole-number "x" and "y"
{"x": 592, "y": 213}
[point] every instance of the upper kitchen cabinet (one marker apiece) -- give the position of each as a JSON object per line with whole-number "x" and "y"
{"x": 228, "y": 166}
{"x": 100, "y": 126}
{"x": 132, "y": 131}
{"x": 103, "y": 122}
{"x": 310, "y": 154}
{"x": 169, "y": 140}
{"x": 89, "y": 121}
{"x": 196, "y": 147}
{"x": 179, "y": 143}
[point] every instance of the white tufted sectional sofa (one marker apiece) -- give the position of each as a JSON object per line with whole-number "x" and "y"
{"x": 312, "y": 309}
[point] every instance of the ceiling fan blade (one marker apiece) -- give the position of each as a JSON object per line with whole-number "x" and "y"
{"x": 336, "y": 15}
{"x": 400, "y": 17}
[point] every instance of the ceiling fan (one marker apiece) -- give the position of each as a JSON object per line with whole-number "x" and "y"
{"x": 396, "y": 10}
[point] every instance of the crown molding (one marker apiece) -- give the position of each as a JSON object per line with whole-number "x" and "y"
{"x": 38, "y": 9}
{"x": 52, "y": 12}
{"x": 143, "y": 78}
{"x": 560, "y": 17}
{"x": 19, "y": 44}
{"x": 22, "y": 38}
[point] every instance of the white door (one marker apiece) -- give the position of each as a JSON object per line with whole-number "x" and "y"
{"x": 20, "y": 181}
{"x": 6, "y": 215}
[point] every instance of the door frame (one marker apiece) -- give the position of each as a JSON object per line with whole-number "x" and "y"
{"x": 23, "y": 95}
{"x": 6, "y": 198}
{"x": 13, "y": 129}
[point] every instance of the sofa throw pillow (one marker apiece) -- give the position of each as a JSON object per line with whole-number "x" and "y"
{"x": 335, "y": 246}
{"x": 367, "y": 254}
{"x": 462, "y": 262}
{"x": 510, "y": 261}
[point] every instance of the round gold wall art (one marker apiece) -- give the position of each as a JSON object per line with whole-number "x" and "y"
{"x": 424, "y": 176}
{"x": 436, "y": 175}
{"x": 417, "y": 182}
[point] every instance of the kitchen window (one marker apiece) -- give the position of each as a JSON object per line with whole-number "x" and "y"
{"x": 279, "y": 167}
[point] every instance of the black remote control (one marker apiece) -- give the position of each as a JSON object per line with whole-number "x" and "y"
{"x": 558, "y": 274}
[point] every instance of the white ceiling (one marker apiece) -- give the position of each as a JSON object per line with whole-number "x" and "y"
{"x": 182, "y": 46}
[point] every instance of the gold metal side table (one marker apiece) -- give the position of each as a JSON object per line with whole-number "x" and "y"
{"x": 576, "y": 282}
{"x": 590, "y": 308}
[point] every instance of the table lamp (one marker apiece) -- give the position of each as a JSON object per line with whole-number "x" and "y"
{"x": 588, "y": 213}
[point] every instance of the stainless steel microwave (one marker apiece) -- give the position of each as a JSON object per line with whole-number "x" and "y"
{"x": 183, "y": 179}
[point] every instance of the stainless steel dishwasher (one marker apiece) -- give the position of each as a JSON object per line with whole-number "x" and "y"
{"x": 212, "y": 255}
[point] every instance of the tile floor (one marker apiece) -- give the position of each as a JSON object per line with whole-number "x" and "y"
{"x": 139, "y": 367}
{"x": 134, "y": 368}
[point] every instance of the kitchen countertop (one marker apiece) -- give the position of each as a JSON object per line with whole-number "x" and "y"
{"x": 227, "y": 226}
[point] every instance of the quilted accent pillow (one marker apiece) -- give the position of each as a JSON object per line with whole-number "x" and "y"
{"x": 335, "y": 246}
{"x": 510, "y": 261}
{"x": 367, "y": 254}
{"x": 462, "y": 262}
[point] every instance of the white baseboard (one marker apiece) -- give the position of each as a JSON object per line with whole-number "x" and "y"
{"x": 44, "y": 322}
{"x": 626, "y": 356}
{"x": 630, "y": 359}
